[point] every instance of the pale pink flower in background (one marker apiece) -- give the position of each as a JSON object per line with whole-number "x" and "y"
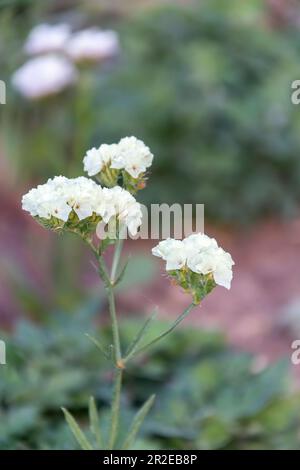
{"x": 93, "y": 45}
{"x": 44, "y": 76}
{"x": 45, "y": 38}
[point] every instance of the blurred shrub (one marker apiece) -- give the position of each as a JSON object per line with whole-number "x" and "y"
{"x": 208, "y": 88}
{"x": 208, "y": 397}
{"x": 206, "y": 85}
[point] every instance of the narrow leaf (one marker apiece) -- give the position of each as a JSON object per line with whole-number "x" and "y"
{"x": 98, "y": 344}
{"x": 94, "y": 422}
{"x": 178, "y": 320}
{"x": 139, "y": 336}
{"x": 77, "y": 433}
{"x": 137, "y": 422}
{"x": 121, "y": 273}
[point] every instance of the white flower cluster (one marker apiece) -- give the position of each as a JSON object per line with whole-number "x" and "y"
{"x": 60, "y": 196}
{"x": 56, "y": 48}
{"x": 92, "y": 44}
{"x": 120, "y": 203}
{"x": 200, "y": 253}
{"x": 44, "y": 76}
{"x": 130, "y": 154}
{"x": 45, "y": 38}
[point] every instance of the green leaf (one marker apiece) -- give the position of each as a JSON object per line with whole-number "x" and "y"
{"x": 105, "y": 243}
{"x": 94, "y": 422}
{"x": 139, "y": 336}
{"x": 98, "y": 344}
{"x": 137, "y": 422}
{"x": 78, "y": 434}
{"x": 121, "y": 273}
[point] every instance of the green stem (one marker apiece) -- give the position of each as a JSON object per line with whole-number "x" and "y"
{"x": 115, "y": 409}
{"x": 115, "y": 327}
{"x": 165, "y": 333}
{"x": 117, "y": 256}
{"x": 115, "y": 406}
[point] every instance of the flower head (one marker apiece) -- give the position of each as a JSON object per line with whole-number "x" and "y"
{"x": 79, "y": 204}
{"x": 197, "y": 263}
{"x": 126, "y": 161}
{"x": 44, "y": 76}
{"x": 133, "y": 156}
{"x": 92, "y": 45}
{"x": 64, "y": 203}
{"x": 96, "y": 160}
{"x": 45, "y": 38}
{"x": 173, "y": 252}
{"x": 125, "y": 208}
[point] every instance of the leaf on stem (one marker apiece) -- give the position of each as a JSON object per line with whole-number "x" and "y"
{"x": 141, "y": 333}
{"x": 104, "y": 244}
{"x": 94, "y": 422}
{"x": 178, "y": 320}
{"x": 98, "y": 345}
{"x": 122, "y": 273}
{"x": 137, "y": 422}
{"x": 76, "y": 431}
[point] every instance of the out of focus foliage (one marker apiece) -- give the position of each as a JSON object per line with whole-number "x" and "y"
{"x": 209, "y": 88}
{"x": 208, "y": 397}
{"x": 206, "y": 85}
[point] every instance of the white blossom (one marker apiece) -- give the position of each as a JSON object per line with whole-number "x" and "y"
{"x": 133, "y": 156}
{"x": 199, "y": 253}
{"x": 96, "y": 159}
{"x": 44, "y": 76}
{"x": 173, "y": 252}
{"x": 122, "y": 205}
{"x": 92, "y": 44}
{"x": 45, "y": 38}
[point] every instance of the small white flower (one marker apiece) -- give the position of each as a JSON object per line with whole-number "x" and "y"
{"x": 223, "y": 269}
{"x": 195, "y": 244}
{"x": 133, "y": 156}
{"x": 121, "y": 204}
{"x": 92, "y": 44}
{"x": 46, "y": 38}
{"x": 199, "y": 241}
{"x": 173, "y": 252}
{"x": 96, "y": 159}
{"x": 44, "y": 76}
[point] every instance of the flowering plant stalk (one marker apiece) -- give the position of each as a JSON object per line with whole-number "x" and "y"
{"x": 119, "y": 360}
{"x": 78, "y": 206}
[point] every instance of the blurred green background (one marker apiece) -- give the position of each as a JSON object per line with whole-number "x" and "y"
{"x": 207, "y": 85}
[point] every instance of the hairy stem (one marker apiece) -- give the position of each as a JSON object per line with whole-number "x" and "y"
{"x": 115, "y": 327}
{"x": 115, "y": 409}
{"x": 115, "y": 406}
